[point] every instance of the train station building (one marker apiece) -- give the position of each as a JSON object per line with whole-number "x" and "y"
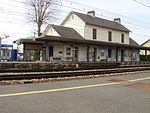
{"x": 145, "y": 44}
{"x": 84, "y": 37}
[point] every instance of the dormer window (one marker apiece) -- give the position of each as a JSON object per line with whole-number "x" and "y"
{"x": 94, "y": 33}
{"x": 72, "y": 17}
{"x": 51, "y": 30}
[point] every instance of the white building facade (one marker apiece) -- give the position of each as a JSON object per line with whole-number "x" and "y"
{"x": 86, "y": 38}
{"x": 145, "y": 44}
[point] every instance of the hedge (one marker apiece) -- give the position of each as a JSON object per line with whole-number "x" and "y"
{"x": 144, "y": 57}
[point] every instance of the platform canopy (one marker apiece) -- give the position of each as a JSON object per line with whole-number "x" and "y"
{"x": 48, "y": 38}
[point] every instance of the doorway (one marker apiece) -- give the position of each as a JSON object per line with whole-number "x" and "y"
{"x": 75, "y": 54}
{"x": 122, "y": 55}
{"x": 88, "y": 54}
{"x": 116, "y": 55}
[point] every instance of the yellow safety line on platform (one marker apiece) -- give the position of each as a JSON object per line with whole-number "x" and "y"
{"x": 71, "y": 88}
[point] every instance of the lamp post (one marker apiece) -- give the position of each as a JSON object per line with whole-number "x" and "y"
{"x": 6, "y": 36}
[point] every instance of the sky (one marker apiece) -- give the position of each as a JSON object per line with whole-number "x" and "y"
{"x": 14, "y": 18}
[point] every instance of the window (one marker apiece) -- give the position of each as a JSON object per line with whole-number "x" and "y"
{"x": 50, "y": 30}
{"x": 122, "y": 38}
{"x": 94, "y": 33}
{"x": 102, "y": 53}
{"x": 72, "y": 17}
{"x": 109, "y": 36}
{"x": 68, "y": 51}
{"x": 109, "y": 53}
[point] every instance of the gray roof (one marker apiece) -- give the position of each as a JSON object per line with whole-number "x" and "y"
{"x": 101, "y": 22}
{"x": 27, "y": 40}
{"x": 67, "y": 32}
{"x": 89, "y": 42}
{"x": 133, "y": 43}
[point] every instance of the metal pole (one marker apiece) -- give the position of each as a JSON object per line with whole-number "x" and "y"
{"x": 0, "y": 48}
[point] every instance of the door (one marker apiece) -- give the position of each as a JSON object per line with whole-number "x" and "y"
{"x": 116, "y": 55}
{"x": 75, "y": 54}
{"x": 122, "y": 55}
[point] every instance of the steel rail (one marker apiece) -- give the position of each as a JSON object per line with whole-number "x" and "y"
{"x": 56, "y": 74}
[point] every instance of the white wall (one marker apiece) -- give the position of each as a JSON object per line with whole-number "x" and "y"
{"x": 142, "y": 52}
{"x": 86, "y": 30}
{"x": 76, "y": 23}
{"x": 126, "y": 55}
{"x": 136, "y": 55}
{"x": 51, "y": 31}
{"x": 147, "y": 44}
{"x": 102, "y": 34}
{"x": 57, "y": 49}
{"x": 101, "y": 55}
{"x": 82, "y": 53}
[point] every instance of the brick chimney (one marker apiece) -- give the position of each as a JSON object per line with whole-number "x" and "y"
{"x": 91, "y": 13}
{"x": 118, "y": 20}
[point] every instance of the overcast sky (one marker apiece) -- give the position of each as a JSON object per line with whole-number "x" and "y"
{"x": 14, "y": 21}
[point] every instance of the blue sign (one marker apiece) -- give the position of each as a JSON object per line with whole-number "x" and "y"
{"x": 5, "y": 45}
{"x": 56, "y": 58}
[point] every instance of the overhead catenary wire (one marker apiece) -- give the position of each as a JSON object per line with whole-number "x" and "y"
{"x": 88, "y": 6}
{"x": 148, "y": 6}
{"x": 14, "y": 12}
{"x": 104, "y": 16}
{"x": 59, "y": 21}
{"x": 84, "y": 9}
{"x": 62, "y": 3}
{"x": 11, "y": 5}
{"x": 147, "y": 1}
{"x": 27, "y": 14}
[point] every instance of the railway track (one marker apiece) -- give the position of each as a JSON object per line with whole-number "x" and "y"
{"x": 55, "y": 74}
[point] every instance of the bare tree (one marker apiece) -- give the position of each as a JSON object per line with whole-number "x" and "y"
{"x": 42, "y": 11}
